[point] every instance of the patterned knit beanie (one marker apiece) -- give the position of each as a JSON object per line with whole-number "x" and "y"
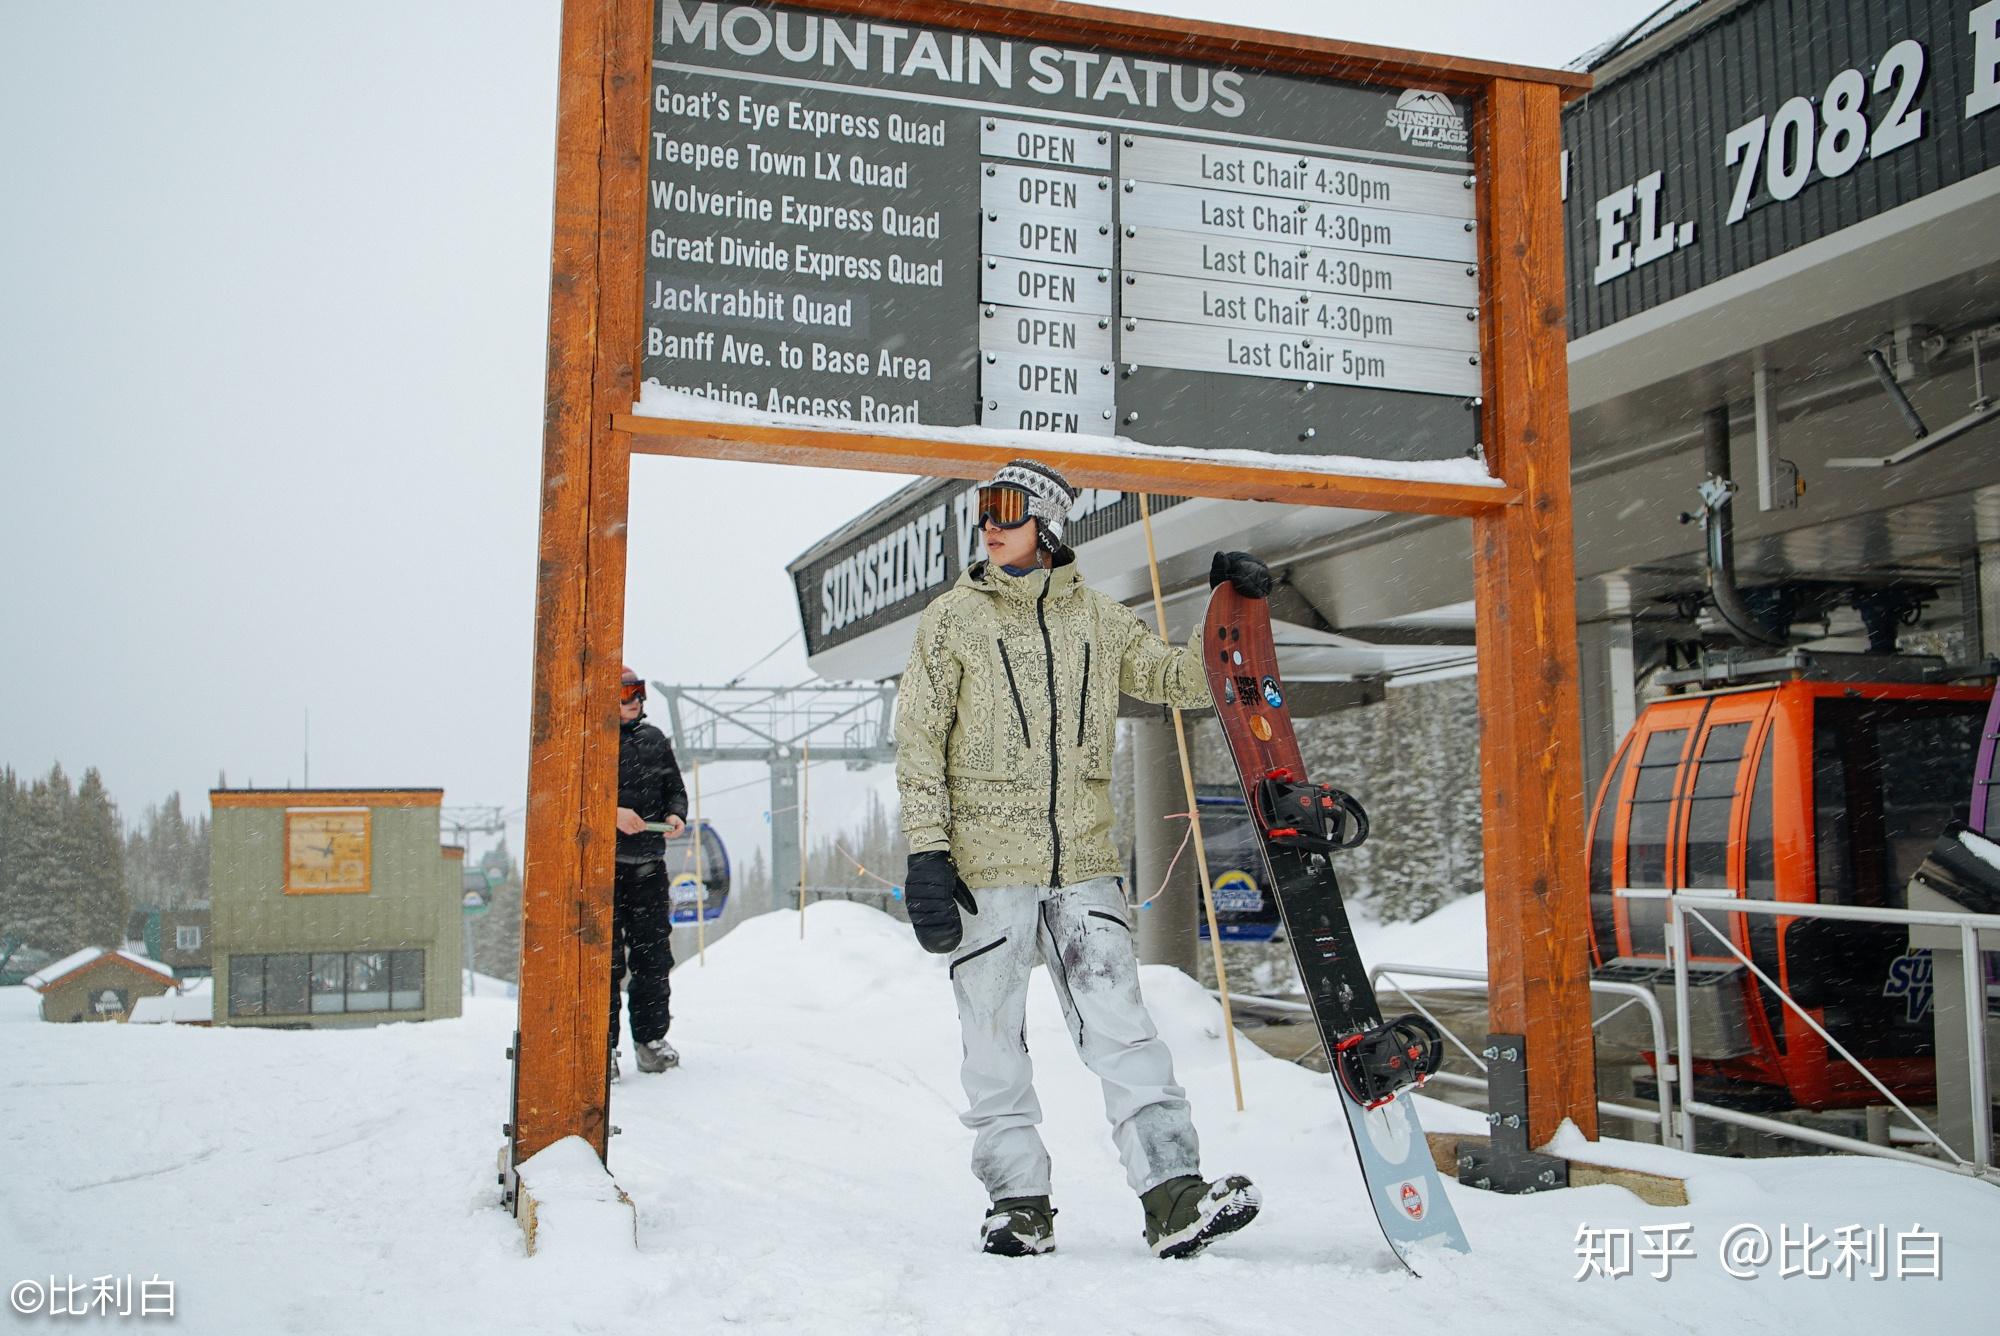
{"x": 1049, "y": 497}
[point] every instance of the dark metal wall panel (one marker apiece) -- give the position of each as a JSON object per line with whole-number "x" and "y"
{"x": 1675, "y": 113}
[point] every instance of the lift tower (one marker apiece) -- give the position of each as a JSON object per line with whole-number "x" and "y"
{"x": 782, "y": 727}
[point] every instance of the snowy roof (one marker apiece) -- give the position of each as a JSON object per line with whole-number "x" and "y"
{"x": 1660, "y": 18}
{"x": 50, "y": 975}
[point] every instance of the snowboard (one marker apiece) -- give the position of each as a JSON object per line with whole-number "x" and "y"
{"x": 1299, "y": 827}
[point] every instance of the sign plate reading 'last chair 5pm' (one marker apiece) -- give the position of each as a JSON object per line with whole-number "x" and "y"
{"x": 868, "y": 222}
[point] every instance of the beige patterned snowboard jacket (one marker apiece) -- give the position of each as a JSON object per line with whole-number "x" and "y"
{"x": 1005, "y": 722}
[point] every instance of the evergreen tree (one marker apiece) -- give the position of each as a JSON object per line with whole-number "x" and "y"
{"x": 860, "y": 858}
{"x": 47, "y": 889}
{"x": 755, "y": 882}
{"x": 97, "y": 861}
{"x": 70, "y": 873}
{"x": 166, "y": 859}
{"x": 496, "y": 934}
{"x": 10, "y": 802}
{"x": 1413, "y": 761}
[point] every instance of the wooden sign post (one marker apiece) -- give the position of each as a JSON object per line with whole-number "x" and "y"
{"x": 1494, "y": 375}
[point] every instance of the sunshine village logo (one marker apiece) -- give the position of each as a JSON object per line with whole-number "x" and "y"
{"x": 1910, "y": 979}
{"x": 1429, "y": 120}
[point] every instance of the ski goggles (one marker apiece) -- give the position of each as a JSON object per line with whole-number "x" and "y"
{"x": 1003, "y": 506}
{"x": 631, "y": 691}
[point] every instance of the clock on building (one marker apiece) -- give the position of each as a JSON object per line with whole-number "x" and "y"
{"x": 326, "y": 850}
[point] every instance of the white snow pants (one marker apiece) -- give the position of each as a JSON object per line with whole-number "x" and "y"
{"x": 1082, "y": 934}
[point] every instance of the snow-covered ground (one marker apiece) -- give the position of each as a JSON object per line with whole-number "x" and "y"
{"x": 805, "y": 1171}
{"x": 1453, "y": 937}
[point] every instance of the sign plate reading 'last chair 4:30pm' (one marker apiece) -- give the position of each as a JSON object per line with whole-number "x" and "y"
{"x": 876, "y": 222}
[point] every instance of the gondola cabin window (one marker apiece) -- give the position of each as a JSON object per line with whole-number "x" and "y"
{"x": 1603, "y": 832}
{"x": 1706, "y": 865}
{"x": 1760, "y": 882}
{"x": 1884, "y": 784}
{"x": 1985, "y": 815}
{"x": 1646, "y": 837}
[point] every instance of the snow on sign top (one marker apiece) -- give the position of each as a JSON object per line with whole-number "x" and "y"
{"x": 50, "y": 975}
{"x": 916, "y": 227}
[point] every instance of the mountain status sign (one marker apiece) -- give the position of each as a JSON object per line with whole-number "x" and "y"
{"x": 870, "y": 222}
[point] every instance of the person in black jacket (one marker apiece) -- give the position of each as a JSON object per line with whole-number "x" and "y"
{"x": 650, "y": 790}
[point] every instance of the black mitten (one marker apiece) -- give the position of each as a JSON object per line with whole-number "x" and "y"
{"x": 1250, "y": 577}
{"x": 933, "y": 892}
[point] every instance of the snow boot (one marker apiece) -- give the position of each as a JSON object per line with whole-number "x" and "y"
{"x": 1020, "y": 1227}
{"x": 611, "y": 1070}
{"x": 656, "y": 1055}
{"x": 1185, "y": 1215}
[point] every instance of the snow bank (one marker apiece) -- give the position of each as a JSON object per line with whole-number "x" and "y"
{"x": 1985, "y": 850}
{"x": 1452, "y": 937}
{"x": 192, "y": 1003}
{"x": 579, "y": 1210}
{"x": 18, "y": 1002}
{"x": 804, "y": 1170}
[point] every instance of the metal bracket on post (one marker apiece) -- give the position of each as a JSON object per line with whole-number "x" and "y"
{"x": 1507, "y": 1163}
{"x": 1778, "y": 483}
{"x": 510, "y": 1191}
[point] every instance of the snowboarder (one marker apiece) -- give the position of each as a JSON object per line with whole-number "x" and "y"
{"x": 1004, "y": 733}
{"x": 649, "y": 790}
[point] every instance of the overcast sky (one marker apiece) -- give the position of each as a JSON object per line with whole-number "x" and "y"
{"x": 273, "y": 285}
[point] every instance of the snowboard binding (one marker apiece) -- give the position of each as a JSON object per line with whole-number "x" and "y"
{"x": 1316, "y": 817}
{"x": 1376, "y": 1065}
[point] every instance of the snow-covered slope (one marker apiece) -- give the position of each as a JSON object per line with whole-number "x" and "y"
{"x": 805, "y": 1171}
{"x": 1452, "y": 937}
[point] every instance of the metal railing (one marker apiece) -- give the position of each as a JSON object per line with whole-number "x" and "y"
{"x": 1662, "y": 1117}
{"x": 1683, "y": 905}
{"x": 818, "y": 893}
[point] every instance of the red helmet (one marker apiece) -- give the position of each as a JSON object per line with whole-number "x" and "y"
{"x": 631, "y": 686}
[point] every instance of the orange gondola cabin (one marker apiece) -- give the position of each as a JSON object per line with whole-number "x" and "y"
{"x": 1801, "y": 792}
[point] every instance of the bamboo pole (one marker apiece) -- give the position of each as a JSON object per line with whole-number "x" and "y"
{"x": 700, "y": 878}
{"x": 805, "y": 850}
{"x": 1194, "y": 818}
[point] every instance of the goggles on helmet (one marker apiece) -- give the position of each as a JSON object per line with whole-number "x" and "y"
{"x": 1003, "y": 506}
{"x": 631, "y": 691}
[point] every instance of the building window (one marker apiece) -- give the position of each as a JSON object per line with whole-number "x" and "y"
{"x": 187, "y": 937}
{"x": 326, "y": 983}
{"x": 285, "y": 985}
{"x": 329, "y": 982}
{"x": 246, "y": 985}
{"x": 406, "y": 981}
{"x": 368, "y": 981}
